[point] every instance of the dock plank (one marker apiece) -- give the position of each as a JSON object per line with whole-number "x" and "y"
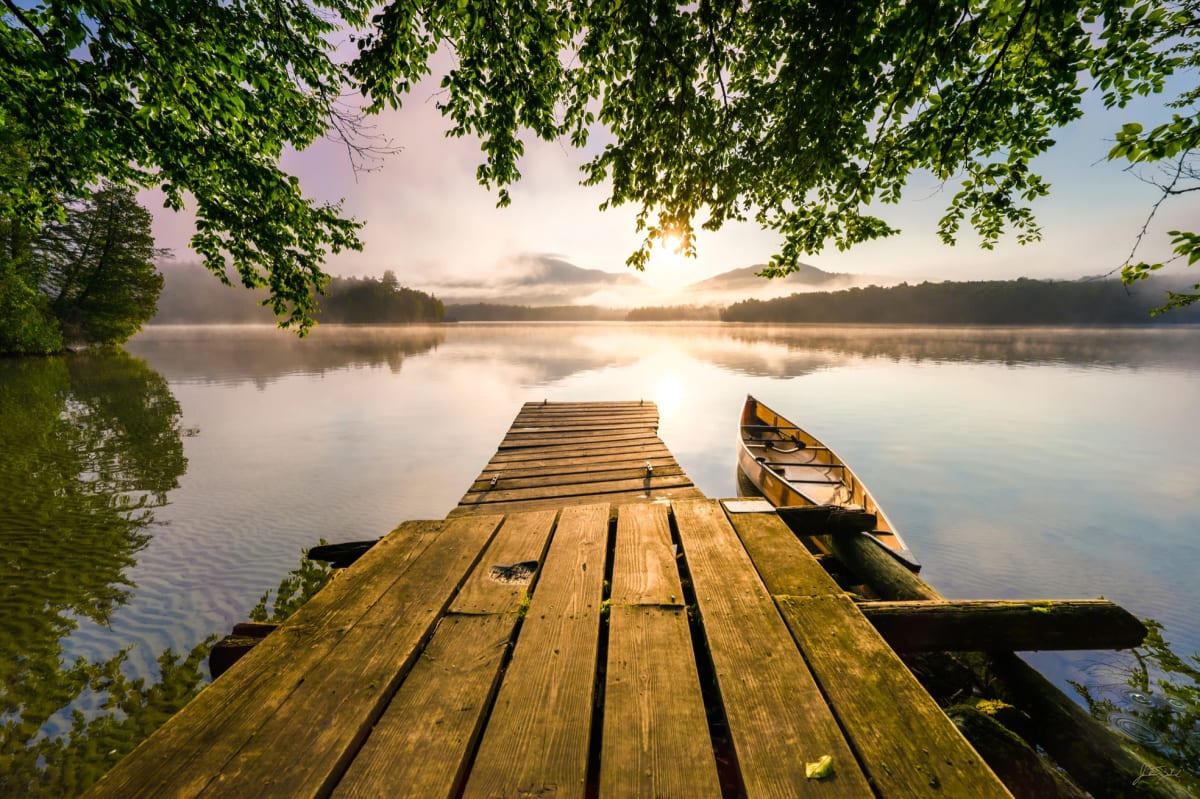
{"x": 781, "y": 559}
{"x": 637, "y": 471}
{"x": 521, "y": 539}
{"x": 193, "y": 746}
{"x": 543, "y": 422}
{"x": 534, "y": 440}
{"x": 655, "y": 740}
{"x": 538, "y": 736}
{"x": 569, "y": 466}
{"x": 909, "y": 746}
{"x": 422, "y": 743}
{"x": 567, "y": 450}
{"x": 582, "y": 488}
{"x": 349, "y": 687}
{"x": 620, "y": 498}
{"x": 778, "y": 720}
{"x": 654, "y": 721}
{"x": 644, "y": 571}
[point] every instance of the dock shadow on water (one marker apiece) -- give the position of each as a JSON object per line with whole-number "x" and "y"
{"x": 93, "y": 452}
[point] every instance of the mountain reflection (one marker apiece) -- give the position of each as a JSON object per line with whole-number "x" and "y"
{"x": 92, "y": 445}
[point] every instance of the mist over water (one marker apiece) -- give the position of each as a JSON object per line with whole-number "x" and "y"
{"x": 1016, "y": 462}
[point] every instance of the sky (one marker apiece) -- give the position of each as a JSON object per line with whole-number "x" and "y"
{"x": 430, "y": 221}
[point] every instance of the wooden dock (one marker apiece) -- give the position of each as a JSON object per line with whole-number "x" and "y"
{"x": 647, "y": 646}
{"x": 558, "y": 453}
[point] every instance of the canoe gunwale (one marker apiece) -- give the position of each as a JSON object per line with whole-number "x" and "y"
{"x": 781, "y": 491}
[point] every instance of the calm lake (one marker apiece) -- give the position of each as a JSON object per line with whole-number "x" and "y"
{"x": 148, "y": 500}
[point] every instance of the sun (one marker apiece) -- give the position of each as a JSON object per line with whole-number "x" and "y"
{"x": 666, "y": 250}
{"x": 668, "y": 267}
{"x": 671, "y": 242}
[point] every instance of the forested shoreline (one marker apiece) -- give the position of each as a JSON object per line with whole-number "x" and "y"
{"x": 191, "y": 295}
{"x": 990, "y": 302}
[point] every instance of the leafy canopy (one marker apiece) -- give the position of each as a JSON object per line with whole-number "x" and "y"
{"x": 803, "y": 115}
{"x": 806, "y": 116}
{"x": 200, "y": 98}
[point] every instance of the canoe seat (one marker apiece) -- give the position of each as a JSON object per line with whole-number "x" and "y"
{"x": 763, "y": 444}
{"x": 787, "y": 465}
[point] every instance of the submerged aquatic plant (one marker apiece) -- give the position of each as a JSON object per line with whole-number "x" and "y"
{"x": 1152, "y": 696}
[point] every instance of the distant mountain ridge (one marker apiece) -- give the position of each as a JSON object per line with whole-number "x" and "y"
{"x": 541, "y": 279}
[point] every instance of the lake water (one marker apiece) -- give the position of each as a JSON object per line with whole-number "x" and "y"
{"x": 148, "y": 502}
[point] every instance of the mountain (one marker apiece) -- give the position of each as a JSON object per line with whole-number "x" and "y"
{"x": 542, "y": 279}
{"x": 745, "y": 284}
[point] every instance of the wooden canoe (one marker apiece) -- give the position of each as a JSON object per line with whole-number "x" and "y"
{"x": 790, "y": 468}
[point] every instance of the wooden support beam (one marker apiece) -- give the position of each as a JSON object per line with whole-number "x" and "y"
{"x": 992, "y": 625}
{"x": 1085, "y": 748}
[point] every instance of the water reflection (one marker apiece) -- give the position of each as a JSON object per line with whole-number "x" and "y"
{"x": 1111, "y": 347}
{"x": 235, "y": 353}
{"x": 92, "y": 445}
{"x": 1003, "y": 479}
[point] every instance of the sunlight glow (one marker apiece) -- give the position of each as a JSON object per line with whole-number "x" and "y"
{"x": 668, "y": 394}
{"x": 668, "y": 266}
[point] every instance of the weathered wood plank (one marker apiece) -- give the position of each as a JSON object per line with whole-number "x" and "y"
{"x": 348, "y": 688}
{"x": 506, "y": 482}
{"x": 576, "y": 450}
{"x": 992, "y": 625}
{"x": 591, "y": 404}
{"x": 644, "y": 571}
{"x": 533, "y": 440}
{"x": 647, "y": 485}
{"x": 547, "y": 420}
{"x": 184, "y": 754}
{"x": 907, "y": 744}
{"x": 193, "y": 745}
{"x": 783, "y": 562}
{"x": 552, "y": 434}
{"x": 537, "y": 739}
{"x": 421, "y": 744}
{"x": 565, "y": 466}
{"x": 621, "y": 498}
{"x": 494, "y": 587}
{"x": 655, "y": 739}
{"x": 776, "y": 714}
{"x": 651, "y": 447}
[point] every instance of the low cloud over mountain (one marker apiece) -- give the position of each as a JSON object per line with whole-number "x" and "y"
{"x": 547, "y": 279}
{"x": 540, "y": 279}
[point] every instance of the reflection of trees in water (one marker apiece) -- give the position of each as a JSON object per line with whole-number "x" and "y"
{"x": 92, "y": 445}
{"x": 1171, "y": 347}
{"x": 260, "y": 353}
{"x": 1152, "y": 696}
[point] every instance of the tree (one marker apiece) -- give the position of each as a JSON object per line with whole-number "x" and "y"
{"x": 97, "y": 267}
{"x": 806, "y": 116}
{"x": 803, "y": 115}
{"x": 199, "y": 98}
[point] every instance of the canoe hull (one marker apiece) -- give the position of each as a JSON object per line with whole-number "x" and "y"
{"x": 790, "y": 467}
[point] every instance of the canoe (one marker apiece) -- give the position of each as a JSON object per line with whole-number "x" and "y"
{"x": 792, "y": 469}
